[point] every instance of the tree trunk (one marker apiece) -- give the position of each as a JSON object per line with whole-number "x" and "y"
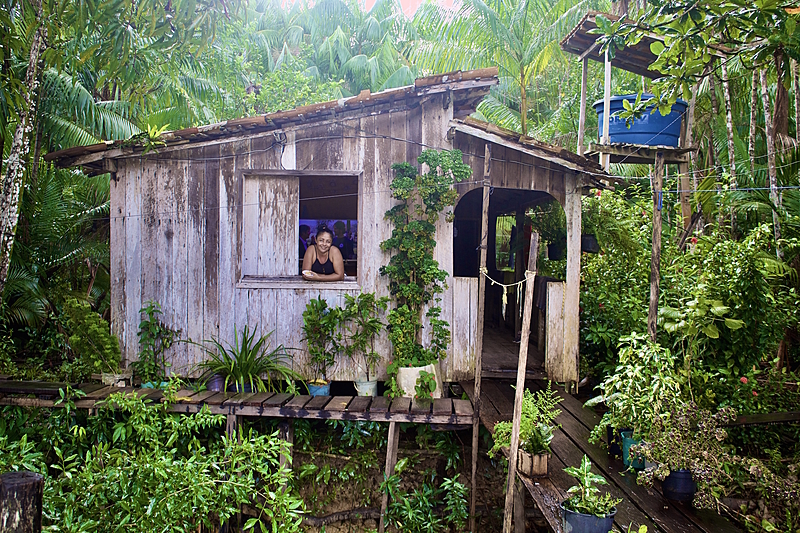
{"x": 15, "y": 168}
{"x": 689, "y": 134}
{"x": 751, "y": 145}
{"x": 773, "y": 171}
{"x": 21, "y": 502}
{"x": 726, "y": 89}
{"x": 780, "y": 120}
{"x": 715, "y": 113}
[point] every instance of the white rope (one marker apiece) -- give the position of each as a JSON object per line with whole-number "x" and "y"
{"x": 485, "y": 273}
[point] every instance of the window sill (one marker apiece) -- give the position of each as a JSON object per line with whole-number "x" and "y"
{"x": 295, "y": 282}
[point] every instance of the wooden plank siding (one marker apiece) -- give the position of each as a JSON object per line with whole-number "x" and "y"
{"x": 187, "y": 224}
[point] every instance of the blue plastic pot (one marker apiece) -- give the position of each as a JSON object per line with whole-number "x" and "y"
{"x": 573, "y": 522}
{"x": 319, "y": 390}
{"x": 679, "y": 486}
{"x": 628, "y": 441}
{"x": 651, "y": 129}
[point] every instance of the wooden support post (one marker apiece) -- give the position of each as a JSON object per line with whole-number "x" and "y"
{"x": 21, "y": 502}
{"x": 655, "y": 256}
{"x": 286, "y": 428}
{"x": 582, "y": 116}
{"x": 231, "y": 426}
{"x": 606, "y": 159}
{"x": 519, "y": 507}
{"x": 566, "y": 371}
{"x": 522, "y": 365}
{"x": 476, "y": 421}
{"x": 391, "y": 460}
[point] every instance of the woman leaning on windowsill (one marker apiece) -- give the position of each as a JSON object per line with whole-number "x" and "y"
{"x": 323, "y": 261}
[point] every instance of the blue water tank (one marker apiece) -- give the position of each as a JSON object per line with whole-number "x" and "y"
{"x": 652, "y": 129}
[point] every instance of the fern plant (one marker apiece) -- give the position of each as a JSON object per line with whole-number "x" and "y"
{"x": 536, "y": 425}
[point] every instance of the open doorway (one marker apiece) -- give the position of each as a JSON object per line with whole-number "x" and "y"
{"x": 506, "y": 261}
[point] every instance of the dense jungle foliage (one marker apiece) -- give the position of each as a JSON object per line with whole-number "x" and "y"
{"x": 76, "y": 73}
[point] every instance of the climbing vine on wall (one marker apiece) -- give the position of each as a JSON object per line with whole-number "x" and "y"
{"x": 415, "y": 278}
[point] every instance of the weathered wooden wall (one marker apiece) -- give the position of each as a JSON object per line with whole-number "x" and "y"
{"x": 511, "y": 169}
{"x": 185, "y": 230}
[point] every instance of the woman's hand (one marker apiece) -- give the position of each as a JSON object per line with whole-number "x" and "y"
{"x": 308, "y": 275}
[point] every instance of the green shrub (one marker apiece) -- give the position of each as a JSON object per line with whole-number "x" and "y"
{"x": 91, "y": 339}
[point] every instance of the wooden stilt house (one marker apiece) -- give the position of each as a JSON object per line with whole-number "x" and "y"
{"x": 208, "y": 224}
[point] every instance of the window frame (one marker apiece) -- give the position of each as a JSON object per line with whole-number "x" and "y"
{"x": 251, "y": 281}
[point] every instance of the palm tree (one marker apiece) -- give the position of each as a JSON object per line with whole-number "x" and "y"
{"x": 519, "y": 36}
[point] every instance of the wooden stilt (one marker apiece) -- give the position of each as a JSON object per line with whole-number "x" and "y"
{"x": 582, "y": 116}
{"x": 522, "y": 364}
{"x": 391, "y": 460}
{"x": 476, "y": 421}
{"x": 231, "y": 425}
{"x": 286, "y": 429}
{"x": 655, "y": 256}
{"x": 519, "y": 507}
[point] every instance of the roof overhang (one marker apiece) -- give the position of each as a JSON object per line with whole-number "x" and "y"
{"x": 636, "y": 58}
{"x": 591, "y": 171}
{"x": 465, "y": 90}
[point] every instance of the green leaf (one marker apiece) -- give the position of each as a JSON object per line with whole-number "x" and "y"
{"x": 711, "y": 331}
{"x": 657, "y": 47}
{"x": 733, "y": 323}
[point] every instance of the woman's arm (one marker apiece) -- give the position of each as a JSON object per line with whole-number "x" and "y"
{"x": 308, "y": 260}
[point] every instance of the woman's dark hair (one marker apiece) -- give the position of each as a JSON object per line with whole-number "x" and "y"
{"x": 324, "y": 229}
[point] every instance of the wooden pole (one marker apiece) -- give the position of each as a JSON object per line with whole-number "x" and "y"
{"x": 606, "y": 159}
{"x": 519, "y": 272}
{"x": 522, "y": 366}
{"x": 582, "y": 117}
{"x": 655, "y": 256}
{"x": 487, "y": 167}
{"x": 726, "y": 93}
{"x": 796, "y": 71}
{"x": 391, "y": 461}
{"x": 751, "y": 142}
{"x": 21, "y": 502}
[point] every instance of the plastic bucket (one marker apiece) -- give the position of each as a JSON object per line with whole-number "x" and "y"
{"x": 319, "y": 390}
{"x": 627, "y": 442}
{"x": 573, "y": 522}
{"x": 679, "y": 486}
{"x": 366, "y": 388}
{"x": 652, "y": 129}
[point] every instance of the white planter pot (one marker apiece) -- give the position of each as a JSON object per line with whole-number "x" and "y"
{"x": 407, "y": 379}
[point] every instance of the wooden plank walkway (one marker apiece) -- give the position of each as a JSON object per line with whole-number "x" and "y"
{"x": 640, "y": 505}
{"x": 280, "y": 405}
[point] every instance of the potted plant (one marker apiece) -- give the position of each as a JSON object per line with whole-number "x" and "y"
{"x": 587, "y": 510}
{"x": 535, "y": 432}
{"x": 415, "y": 278}
{"x": 248, "y": 365}
{"x": 362, "y": 325}
{"x": 690, "y": 441}
{"x": 643, "y": 388}
{"x": 321, "y": 333}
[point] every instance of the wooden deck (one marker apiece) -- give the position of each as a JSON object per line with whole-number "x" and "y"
{"x": 278, "y": 405}
{"x": 501, "y": 354}
{"x": 640, "y": 506}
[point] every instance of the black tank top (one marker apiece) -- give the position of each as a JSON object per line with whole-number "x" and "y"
{"x": 322, "y": 268}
